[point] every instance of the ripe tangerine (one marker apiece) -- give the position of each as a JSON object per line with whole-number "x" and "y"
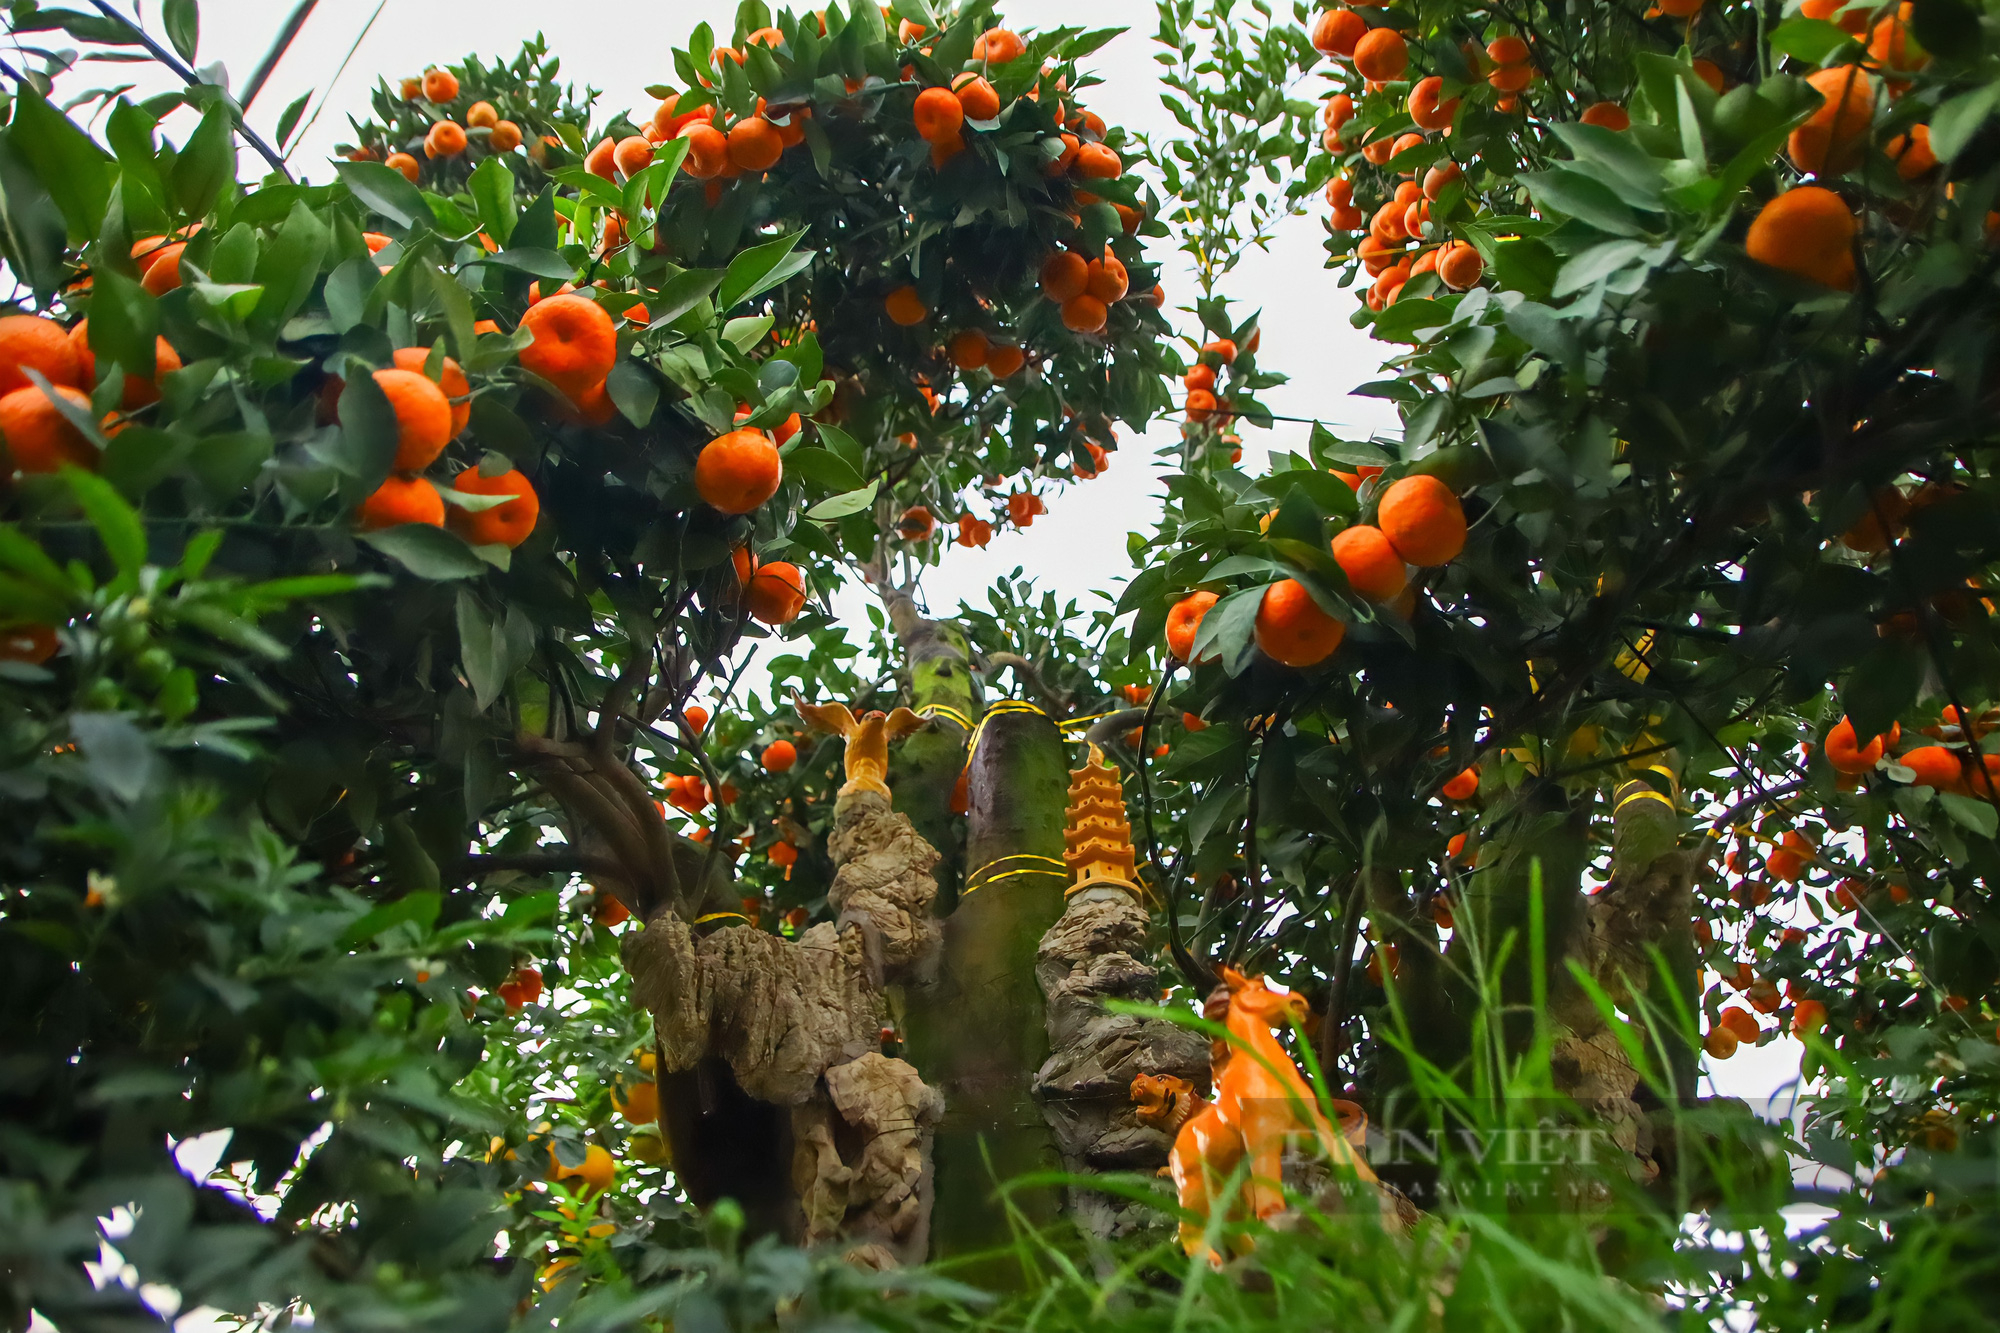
{"x": 506, "y": 524}
{"x": 1423, "y": 520}
{"x": 1292, "y": 629}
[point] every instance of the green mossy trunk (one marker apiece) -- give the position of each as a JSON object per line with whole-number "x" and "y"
{"x": 977, "y": 1033}
{"x": 924, "y": 770}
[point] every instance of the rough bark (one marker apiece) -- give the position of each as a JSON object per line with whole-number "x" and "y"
{"x": 862, "y": 1161}
{"x": 884, "y": 882}
{"x": 1093, "y": 953}
{"x": 777, "y": 1012}
{"x": 770, "y": 1056}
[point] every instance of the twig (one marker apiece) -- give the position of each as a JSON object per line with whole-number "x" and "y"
{"x": 194, "y": 80}
{"x": 539, "y": 863}
{"x": 280, "y": 44}
{"x": 299, "y": 135}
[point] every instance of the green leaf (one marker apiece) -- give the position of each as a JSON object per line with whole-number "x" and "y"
{"x": 823, "y": 469}
{"x": 745, "y": 332}
{"x": 1883, "y": 686}
{"x": 34, "y": 235}
{"x": 537, "y": 225}
{"x": 232, "y": 301}
{"x": 634, "y": 392}
{"x": 492, "y": 187}
{"x": 1959, "y": 119}
{"x": 456, "y": 303}
{"x": 840, "y": 506}
{"x": 1582, "y": 197}
{"x": 289, "y": 268}
{"x": 419, "y": 909}
{"x": 481, "y": 650}
{"x": 75, "y": 172}
{"x": 386, "y": 191}
{"x": 1613, "y": 157}
{"x": 1229, "y": 629}
{"x": 1976, "y": 815}
{"x": 25, "y": 556}
{"x": 207, "y": 163}
{"x": 1810, "y": 40}
{"x": 1949, "y": 28}
{"x": 428, "y": 552}
{"x": 183, "y": 23}
{"x": 124, "y": 324}
{"x": 289, "y": 120}
{"x": 1328, "y": 493}
{"x": 537, "y": 262}
{"x": 347, "y": 292}
{"x": 1328, "y": 448}
{"x": 368, "y": 431}
{"x": 682, "y": 293}
{"x": 761, "y": 268}
{"x": 117, "y": 523}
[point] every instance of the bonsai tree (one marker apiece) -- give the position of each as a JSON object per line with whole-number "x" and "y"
{"x": 361, "y": 578}
{"x": 1644, "y": 683}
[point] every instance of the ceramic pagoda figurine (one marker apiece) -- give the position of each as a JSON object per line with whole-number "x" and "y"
{"x": 1100, "y": 950}
{"x": 1097, "y": 843}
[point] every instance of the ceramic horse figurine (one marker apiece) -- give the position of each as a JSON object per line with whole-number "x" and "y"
{"x": 1263, "y": 1097}
{"x": 1261, "y": 1101}
{"x": 1165, "y": 1103}
{"x": 867, "y": 759}
{"x": 1205, "y": 1153}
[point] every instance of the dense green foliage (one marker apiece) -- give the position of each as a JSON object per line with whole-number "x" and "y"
{"x": 300, "y": 819}
{"x": 282, "y": 835}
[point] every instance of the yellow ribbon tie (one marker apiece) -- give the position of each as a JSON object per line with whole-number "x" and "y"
{"x": 945, "y": 710}
{"x": 1647, "y": 794}
{"x": 1003, "y": 706}
{"x": 980, "y": 878}
{"x": 720, "y": 916}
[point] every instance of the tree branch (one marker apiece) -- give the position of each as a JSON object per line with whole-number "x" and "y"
{"x": 194, "y": 80}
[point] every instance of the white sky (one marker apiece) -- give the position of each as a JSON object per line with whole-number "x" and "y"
{"x": 1078, "y": 547}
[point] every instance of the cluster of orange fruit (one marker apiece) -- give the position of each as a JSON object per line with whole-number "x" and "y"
{"x": 1953, "y": 763}
{"x": 1203, "y": 404}
{"x": 1736, "y": 1026}
{"x": 447, "y": 137}
{"x": 973, "y": 349}
{"x": 774, "y": 591}
{"x": 40, "y": 436}
{"x": 1085, "y": 289}
{"x": 1418, "y": 522}
{"x": 574, "y": 349}
{"x": 1381, "y": 56}
{"x": 919, "y": 524}
{"x": 940, "y": 114}
{"x": 715, "y": 154}
{"x": 1809, "y": 230}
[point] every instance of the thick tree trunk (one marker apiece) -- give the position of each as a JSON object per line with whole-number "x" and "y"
{"x": 924, "y": 771}
{"x": 977, "y": 1031}
{"x": 1648, "y": 905}
{"x": 770, "y": 1059}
